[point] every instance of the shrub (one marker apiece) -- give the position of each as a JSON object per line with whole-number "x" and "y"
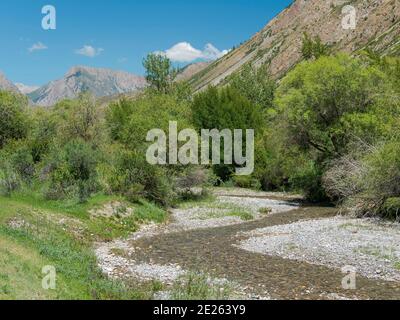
{"x": 13, "y": 117}
{"x": 256, "y": 85}
{"x": 135, "y": 178}
{"x": 9, "y": 180}
{"x": 308, "y": 178}
{"x": 192, "y": 182}
{"x": 223, "y": 109}
{"x": 197, "y": 286}
{"x": 79, "y": 119}
{"x": 368, "y": 185}
{"x": 313, "y": 48}
{"x": 73, "y": 171}
{"x": 248, "y": 182}
{"x": 315, "y": 96}
{"x": 130, "y": 120}
{"x": 42, "y": 134}
{"x": 22, "y": 162}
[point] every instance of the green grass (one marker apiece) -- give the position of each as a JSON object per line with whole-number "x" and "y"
{"x": 236, "y": 212}
{"x": 221, "y": 209}
{"x": 241, "y": 213}
{"x": 70, "y": 207}
{"x": 196, "y": 286}
{"x": 197, "y": 202}
{"x": 39, "y": 239}
{"x": 265, "y": 211}
{"x": 20, "y": 272}
{"x": 99, "y": 229}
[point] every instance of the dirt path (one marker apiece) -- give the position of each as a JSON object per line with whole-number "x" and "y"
{"x": 213, "y": 250}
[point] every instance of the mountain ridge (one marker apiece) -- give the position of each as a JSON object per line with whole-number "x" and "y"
{"x": 100, "y": 82}
{"x": 6, "y": 84}
{"x": 279, "y": 43}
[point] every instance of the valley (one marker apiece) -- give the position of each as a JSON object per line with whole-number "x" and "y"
{"x": 107, "y": 191}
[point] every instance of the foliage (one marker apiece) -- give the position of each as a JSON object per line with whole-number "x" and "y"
{"x": 221, "y": 109}
{"x": 9, "y": 180}
{"x": 133, "y": 177}
{"x": 313, "y": 48}
{"x": 255, "y": 84}
{"x": 40, "y": 240}
{"x": 130, "y": 120}
{"x": 79, "y": 119}
{"x": 197, "y": 286}
{"x": 159, "y": 72}
{"x": 316, "y": 95}
{"x": 73, "y": 171}
{"x": 13, "y": 117}
{"x": 225, "y": 108}
{"x": 367, "y": 183}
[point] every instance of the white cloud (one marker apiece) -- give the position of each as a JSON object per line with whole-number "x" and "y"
{"x": 37, "y": 46}
{"x": 185, "y": 52}
{"x": 89, "y": 51}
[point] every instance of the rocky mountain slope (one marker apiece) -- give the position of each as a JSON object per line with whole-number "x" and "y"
{"x": 100, "y": 82}
{"x": 189, "y": 71}
{"x": 26, "y": 89}
{"x": 6, "y": 84}
{"x": 279, "y": 43}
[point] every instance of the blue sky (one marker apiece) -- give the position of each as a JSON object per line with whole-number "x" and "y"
{"x": 117, "y": 34}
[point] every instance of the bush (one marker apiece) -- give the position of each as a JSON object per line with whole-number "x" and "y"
{"x": 42, "y": 134}
{"x": 367, "y": 185}
{"x": 9, "y": 180}
{"x": 223, "y": 109}
{"x": 80, "y": 119}
{"x": 73, "y": 171}
{"x": 197, "y": 286}
{"x": 135, "y": 178}
{"x": 314, "y": 48}
{"x": 308, "y": 178}
{"x": 315, "y": 97}
{"x": 247, "y": 182}
{"x": 256, "y": 85}
{"x": 192, "y": 182}
{"x": 13, "y": 117}
{"x": 22, "y": 162}
{"x": 129, "y": 121}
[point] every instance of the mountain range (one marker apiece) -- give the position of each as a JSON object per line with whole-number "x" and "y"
{"x": 100, "y": 82}
{"x": 6, "y": 84}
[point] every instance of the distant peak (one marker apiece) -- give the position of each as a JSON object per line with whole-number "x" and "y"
{"x": 77, "y": 69}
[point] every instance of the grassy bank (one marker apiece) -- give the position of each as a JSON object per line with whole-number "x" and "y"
{"x": 35, "y": 233}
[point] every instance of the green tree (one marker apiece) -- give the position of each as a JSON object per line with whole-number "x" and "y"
{"x": 325, "y": 105}
{"x": 316, "y": 96}
{"x": 225, "y": 108}
{"x": 313, "y": 48}
{"x": 159, "y": 72}
{"x": 73, "y": 171}
{"x": 13, "y": 117}
{"x": 80, "y": 119}
{"x": 255, "y": 84}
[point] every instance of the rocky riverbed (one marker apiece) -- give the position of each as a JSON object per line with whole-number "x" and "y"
{"x": 283, "y": 250}
{"x": 371, "y": 247}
